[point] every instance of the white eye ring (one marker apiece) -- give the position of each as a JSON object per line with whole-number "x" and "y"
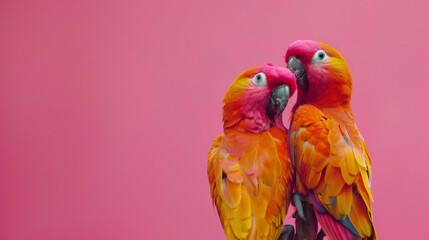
{"x": 260, "y": 79}
{"x": 319, "y": 56}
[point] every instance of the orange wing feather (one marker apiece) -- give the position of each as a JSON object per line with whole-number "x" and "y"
{"x": 250, "y": 178}
{"x": 331, "y": 160}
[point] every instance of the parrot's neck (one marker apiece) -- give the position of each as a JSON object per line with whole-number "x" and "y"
{"x": 251, "y": 125}
{"x": 326, "y": 92}
{"x": 257, "y": 122}
{"x": 325, "y": 101}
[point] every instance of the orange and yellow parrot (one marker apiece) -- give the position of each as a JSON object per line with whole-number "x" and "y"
{"x": 331, "y": 161}
{"x": 249, "y": 170}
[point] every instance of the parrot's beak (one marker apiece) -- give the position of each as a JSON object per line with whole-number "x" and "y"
{"x": 295, "y": 65}
{"x": 278, "y": 101}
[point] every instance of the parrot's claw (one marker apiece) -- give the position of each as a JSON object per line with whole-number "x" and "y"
{"x": 320, "y": 235}
{"x": 297, "y": 200}
{"x": 287, "y": 233}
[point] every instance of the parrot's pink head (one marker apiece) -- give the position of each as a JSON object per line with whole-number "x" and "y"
{"x": 256, "y": 99}
{"x": 322, "y": 74}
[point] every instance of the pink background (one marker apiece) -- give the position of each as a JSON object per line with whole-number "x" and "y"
{"x": 108, "y": 108}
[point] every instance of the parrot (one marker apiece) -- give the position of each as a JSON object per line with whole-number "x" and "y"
{"x": 331, "y": 161}
{"x": 249, "y": 170}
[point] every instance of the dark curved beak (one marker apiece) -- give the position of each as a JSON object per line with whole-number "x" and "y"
{"x": 278, "y": 101}
{"x": 295, "y": 65}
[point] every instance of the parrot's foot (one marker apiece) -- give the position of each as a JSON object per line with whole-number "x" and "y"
{"x": 287, "y": 233}
{"x": 297, "y": 201}
{"x": 305, "y": 228}
{"x": 320, "y": 235}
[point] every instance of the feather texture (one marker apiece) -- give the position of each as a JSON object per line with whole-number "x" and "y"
{"x": 251, "y": 191}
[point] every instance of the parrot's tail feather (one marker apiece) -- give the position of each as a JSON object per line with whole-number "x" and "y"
{"x": 333, "y": 229}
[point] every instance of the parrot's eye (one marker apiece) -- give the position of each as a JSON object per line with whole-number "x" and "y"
{"x": 260, "y": 79}
{"x": 319, "y": 57}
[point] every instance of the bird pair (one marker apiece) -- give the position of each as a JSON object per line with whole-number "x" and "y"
{"x": 257, "y": 165}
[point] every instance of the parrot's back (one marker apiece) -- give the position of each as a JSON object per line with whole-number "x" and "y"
{"x": 333, "y": 168}
{"x": 250, "y": 178}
